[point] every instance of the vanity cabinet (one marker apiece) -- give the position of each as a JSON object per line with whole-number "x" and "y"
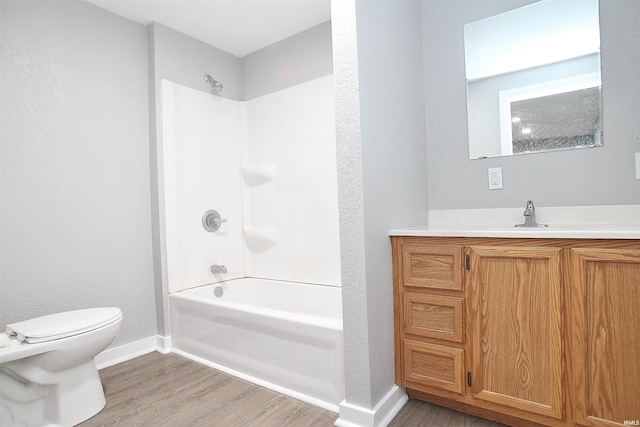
{"x": 522, "y": 331}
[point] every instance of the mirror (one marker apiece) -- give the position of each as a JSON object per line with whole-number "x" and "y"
{"x": 533, "y": 79}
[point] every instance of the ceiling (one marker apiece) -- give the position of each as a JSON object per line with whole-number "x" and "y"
{"x": 235, "y": 26}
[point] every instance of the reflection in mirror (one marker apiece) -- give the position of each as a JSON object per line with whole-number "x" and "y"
{"x": 533, "y": 79}
{"x": 556, "y": 122}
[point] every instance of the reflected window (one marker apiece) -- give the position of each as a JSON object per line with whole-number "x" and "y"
{"x": 556, "y": 115}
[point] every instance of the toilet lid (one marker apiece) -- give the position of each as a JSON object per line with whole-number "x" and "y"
{"x": 63, "y": 325}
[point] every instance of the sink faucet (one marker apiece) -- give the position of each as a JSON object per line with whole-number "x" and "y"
{"x": 218, "y": 269}
{"x": 530, "y": 216}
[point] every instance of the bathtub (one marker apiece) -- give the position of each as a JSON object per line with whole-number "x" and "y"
{"x": 281, "y": 335}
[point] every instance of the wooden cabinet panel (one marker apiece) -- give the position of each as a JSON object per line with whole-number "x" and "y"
{"x": 606, "y": 312}
{"x": 516, "y": 327}
{"x": 434, "y": 316}
{"x": 433, "y": 365}
{"x": 436, "y": 267}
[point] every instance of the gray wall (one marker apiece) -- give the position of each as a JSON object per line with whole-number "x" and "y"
{"x": 74, "y": 193}
{"x": 381, "y": 174}
{"x": 297, "y": 59}
{"x": 597, "y": 176}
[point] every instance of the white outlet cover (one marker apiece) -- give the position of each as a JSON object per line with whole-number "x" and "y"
{"x": 637, "y": 165}
{"x": 495, "y": 178}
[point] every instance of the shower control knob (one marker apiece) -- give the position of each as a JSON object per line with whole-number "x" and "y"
{"x": 218, "y": 221}
{"x": 211, "y": 220}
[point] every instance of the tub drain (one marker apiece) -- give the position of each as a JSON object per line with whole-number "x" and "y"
{"x": 218, "y": 291}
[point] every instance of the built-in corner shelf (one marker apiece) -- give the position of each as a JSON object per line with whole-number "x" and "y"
{"x": 254, "y": 175}
{"x": 260, "y": 239}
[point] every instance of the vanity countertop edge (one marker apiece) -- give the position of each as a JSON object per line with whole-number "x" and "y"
{"x": 584, "y": 222}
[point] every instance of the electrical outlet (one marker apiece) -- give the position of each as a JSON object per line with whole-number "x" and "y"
{"x": 495, "y": 178}
{"x": 637, "y": 165}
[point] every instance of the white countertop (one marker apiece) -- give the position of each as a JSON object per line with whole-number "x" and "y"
{"x": 591, "y": 222}
{"x": 557, "y": 231}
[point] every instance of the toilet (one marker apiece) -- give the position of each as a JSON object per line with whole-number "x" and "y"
{"x": 48, "y": 374}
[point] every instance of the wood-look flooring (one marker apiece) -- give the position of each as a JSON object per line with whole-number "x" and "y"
{"x": 172, "y": 391}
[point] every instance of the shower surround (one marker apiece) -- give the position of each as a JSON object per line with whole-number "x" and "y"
{"x": 268, "y": 166}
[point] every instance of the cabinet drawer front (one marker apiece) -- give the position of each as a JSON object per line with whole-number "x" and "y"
{"x": 434, "y": 316}
{"x": 438, "y": 267}
{"x": 433, "y": 365}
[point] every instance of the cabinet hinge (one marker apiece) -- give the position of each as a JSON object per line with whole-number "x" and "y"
{"x": 469, "y": 379}
{"x": 467, "y": 262}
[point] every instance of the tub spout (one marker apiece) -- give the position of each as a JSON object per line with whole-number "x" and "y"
{"x": 218, "y": 269}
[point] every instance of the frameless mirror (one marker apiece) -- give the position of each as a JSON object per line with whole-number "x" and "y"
{"x": 533, "y": 79}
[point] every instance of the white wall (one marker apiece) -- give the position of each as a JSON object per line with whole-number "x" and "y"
{"x": 542, "y": 33}
{"x": 284, "y": 227}
{"x": 74, "y": 183}
{"x": 598, "y": 176}
{"x": 201, "y": 153}
{"x": 293, "y": 131}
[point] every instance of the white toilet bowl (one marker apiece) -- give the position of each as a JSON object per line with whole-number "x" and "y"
{"x": 48, "y": 374}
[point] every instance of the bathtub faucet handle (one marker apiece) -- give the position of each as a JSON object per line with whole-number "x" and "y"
{"x": 211, "y": 220}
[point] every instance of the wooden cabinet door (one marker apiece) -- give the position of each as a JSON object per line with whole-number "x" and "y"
{"x": 516, "y": 328}
{"x": 605, "y": 316}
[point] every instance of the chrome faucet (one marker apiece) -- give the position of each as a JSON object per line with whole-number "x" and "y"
{"x": 530, "y": 216}
{"x": 218, "y": 269}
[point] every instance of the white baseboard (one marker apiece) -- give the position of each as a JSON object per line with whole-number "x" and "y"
{"x": 164, "y": 344}
{"x": 380, "y": 416}
{"x": 115, "y": 355}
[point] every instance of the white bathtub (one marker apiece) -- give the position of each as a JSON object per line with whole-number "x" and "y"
{"x": 281, "y": 335}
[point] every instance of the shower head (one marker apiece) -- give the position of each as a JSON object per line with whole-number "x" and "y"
{"x": 216, "y": 86}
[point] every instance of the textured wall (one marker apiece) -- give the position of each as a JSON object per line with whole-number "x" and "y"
{"x": 393, "y": 156}
{"x": 569, "y": 178}
{"x": 74, "y": 194}
{"x": 350, "y": 204}
{"x": 381, "y": 155}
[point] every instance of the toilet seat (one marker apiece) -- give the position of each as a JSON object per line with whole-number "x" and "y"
{"x": 63, "y": 325}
